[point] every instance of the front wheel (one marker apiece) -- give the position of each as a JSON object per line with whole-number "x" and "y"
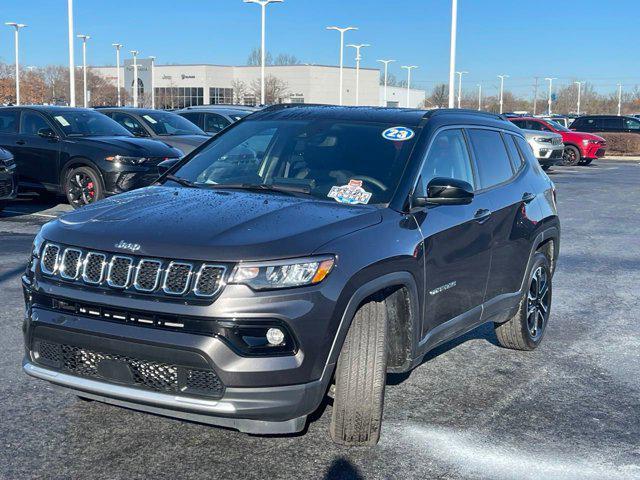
{"x": 525, "y": 330}
{"x": 361, "y": 376}
{"x": 570, "y": 156}
{"x": 82, "y": 186}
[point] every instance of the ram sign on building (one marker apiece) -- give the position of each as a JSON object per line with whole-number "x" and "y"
{"x": 179, "y": 86}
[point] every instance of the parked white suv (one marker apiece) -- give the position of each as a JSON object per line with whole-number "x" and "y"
{"x": 547, "y": 147}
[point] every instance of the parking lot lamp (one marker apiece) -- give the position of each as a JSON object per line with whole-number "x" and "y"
{"x": 17, "y": 27}
{"x": 342, "y": 32}
{"x": 550, "y": 80}
{"x": 452, "y": 55}
{"x": 135, "y": 77}
{"x": 72, "y": 66}
{"x": 153, "y": 90}
{"x": 386, "y": 78}
{"x": 263, "y": 4}
{"x": 409, "y": 68}
{"x": 619, "y": 99}
{"x": 358, "y": 58}
{"x": 460, "y": 87}
{"x": 479, "y": 97}
{"x": 84, "y": 66}
{"x": 118, "y": 47}
{"x": 579, "y": 91}
{"x": 502, "y": 77}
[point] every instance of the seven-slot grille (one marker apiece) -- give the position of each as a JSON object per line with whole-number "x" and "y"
{"x": 148, "y": 275}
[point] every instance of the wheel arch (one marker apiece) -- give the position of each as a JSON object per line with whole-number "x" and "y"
{"x": 75, "y": 162}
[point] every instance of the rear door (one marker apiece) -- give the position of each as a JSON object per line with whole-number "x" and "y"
{"x": 37, "y": 157}
{"x": 611, "y": 124}
{"x": 457, "y": 238}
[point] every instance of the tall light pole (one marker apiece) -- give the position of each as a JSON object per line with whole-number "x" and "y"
{"x": 502, "y": 77}
{"x": 460, "y": 87}
{"x": 72, "y": 66}
{"x": 579, "y": 91}
{"x": 153, "y": 90}
{"x": 342, "y": 32}
{"x": 386, "y": 77}
{"x": 358, "y": 58}
{"x": 550, "y": 80}
{"x": 135, "y": 77}
{"x": 479, "y": 97}
{"x": 118, "y": 47}
{"x": 263, "y": 4}
{"x": 452, "y": 55}
{"x": 84, "y": 66}
{"x": 17, "y": 27}
{"x": 619, "y": 99}
{"x": 408, "y": 68}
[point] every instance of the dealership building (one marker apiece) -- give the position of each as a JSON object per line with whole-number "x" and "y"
{"x": 179, "y": 86}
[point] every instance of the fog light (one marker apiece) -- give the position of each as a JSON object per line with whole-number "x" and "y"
{"x": 275, "y": 336}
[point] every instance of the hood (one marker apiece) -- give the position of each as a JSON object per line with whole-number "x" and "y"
{"x": 588, "y": 136}
{"x": 133, "y": 146}
{"x": 213, "y": 225}
{"x": 185, "y": 143}
{"x": 529, "y": 134}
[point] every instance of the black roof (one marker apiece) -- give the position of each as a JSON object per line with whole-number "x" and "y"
{"x": 51, "y": 109}
{"x": 606, "y": 116}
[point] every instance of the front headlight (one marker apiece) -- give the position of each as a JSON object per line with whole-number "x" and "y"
{"x": 543, "y": 139}
{"x": 283, "y": 273}
{"x": 124, "y": 160}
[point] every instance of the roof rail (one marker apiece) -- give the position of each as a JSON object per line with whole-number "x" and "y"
{"x": 466, "y": 111}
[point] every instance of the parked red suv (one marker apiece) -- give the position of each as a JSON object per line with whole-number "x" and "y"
{"x": 579, "y": 147}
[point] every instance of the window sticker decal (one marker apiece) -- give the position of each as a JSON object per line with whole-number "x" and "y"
{"x": 351, "y": 194}
{"x": 398, "y": 134}
{"x": 62, "y": 121}
{"x": 149, "y": 118}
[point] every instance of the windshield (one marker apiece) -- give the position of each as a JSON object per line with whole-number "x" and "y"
{"x": 164, "y": 123}
{"x": 346, "y": 162}
{"x": 558, "y": 126}
{"x": 87, "y": 123}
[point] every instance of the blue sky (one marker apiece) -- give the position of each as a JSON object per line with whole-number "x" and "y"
{"x": 568, "y": 39}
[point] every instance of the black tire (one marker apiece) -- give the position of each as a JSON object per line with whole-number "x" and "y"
{"x": 527, "y": 327}
{"x": 586, "y": 161}
{"x": 570, "y": 156}
{"x": 82, "y": 186}
{"x": 361, "y": 376}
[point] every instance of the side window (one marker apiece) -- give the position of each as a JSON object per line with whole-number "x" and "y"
{"x": 526, "y": 151}
{"x": 31, "y": 123}
{"x": 534, "y": 126}
{"x": 213, "y": 122}
{"x": 8, "y": 121}
{"x": 516, "y": 159}
{"x": 193, "y": 117}
{"x": 520, "y": 123}
{"x": 448, "y": 157}
{"x": 631, "y": 124}
{"x": 611, "y": 123}
{"x": 541, "y": 126}
{"x": 131, "y": 124}
{"x": 493, "y": 162}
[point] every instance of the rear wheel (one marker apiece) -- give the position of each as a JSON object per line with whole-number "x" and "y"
{"x": 82, "y": 187}
{"x": 570, "y": 156}
{"x": 525, "y": 330}
{"x": 361, "y": 378}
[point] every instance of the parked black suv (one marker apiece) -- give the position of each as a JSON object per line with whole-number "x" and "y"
{"x": 305, "y": 251}
{"x": 8, "y": 178}
{"x": 78, "y": 152}
{"x": 606, "y": 123}
{"x": 168, "y": 127}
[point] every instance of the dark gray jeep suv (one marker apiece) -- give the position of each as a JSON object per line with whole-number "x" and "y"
{"x": 303, "y": 253}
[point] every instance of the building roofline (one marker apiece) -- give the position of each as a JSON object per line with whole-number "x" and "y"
{"x": 243, "y": 66}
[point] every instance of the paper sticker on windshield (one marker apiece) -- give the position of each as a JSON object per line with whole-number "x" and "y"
{"x": 398, "y": 134}
{"x": 149, "y": 119}
{"x": 61, "y": 120}
{"x": 351, "y": 194}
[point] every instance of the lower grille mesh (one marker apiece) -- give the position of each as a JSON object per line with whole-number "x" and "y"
{"x": 150, "y": 375}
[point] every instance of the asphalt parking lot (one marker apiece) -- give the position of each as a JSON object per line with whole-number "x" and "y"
{"x": 569, "y": 410}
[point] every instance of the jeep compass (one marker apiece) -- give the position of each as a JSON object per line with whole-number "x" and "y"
{"x": 301, "y": 254}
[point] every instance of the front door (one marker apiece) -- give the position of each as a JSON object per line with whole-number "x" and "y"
{"x": 37, "y": 156}
{"x": 457, "y": 239}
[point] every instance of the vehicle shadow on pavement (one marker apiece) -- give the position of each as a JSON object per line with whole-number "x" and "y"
{"x": 482, "y": 332}
{"x": 343, "y": 469}
{"x": 35, "y": 205}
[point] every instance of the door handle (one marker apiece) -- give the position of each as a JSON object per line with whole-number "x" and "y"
{"x": 20, "y": 142}
{"x": 528, "y": 197}
{"x": 482, "y": 215}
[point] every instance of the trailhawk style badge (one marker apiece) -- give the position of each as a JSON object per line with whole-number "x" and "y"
{"x": 132, "y": 247}
{"x": 398, "y": 134}
{"x": 352, "y": 194}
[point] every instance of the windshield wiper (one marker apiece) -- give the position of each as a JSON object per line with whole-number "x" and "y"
{"x": 182, "y": 181}
{"x": 291, "y": 189}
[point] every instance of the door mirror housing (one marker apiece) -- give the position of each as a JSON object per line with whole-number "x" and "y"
{"x": 165, "y": 166}
{"x": 47, "y": 133}
{"x": 447, "y": 191}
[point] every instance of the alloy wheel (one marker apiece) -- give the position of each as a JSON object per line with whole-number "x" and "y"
{"x": 81, "y": 189}
{"x": 538, "y": 302}
{"x": 570, "y": 157}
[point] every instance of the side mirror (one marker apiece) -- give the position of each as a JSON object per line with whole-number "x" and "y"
{"x": 447, "y": 191}
{"x": 47, "y": 133}
{"x": 165, "y": 166}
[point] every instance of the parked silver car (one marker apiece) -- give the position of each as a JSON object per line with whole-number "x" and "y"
{"x": 547, "y": 147}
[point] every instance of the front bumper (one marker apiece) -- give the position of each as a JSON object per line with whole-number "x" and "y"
{"x": 122, "y": 178}
{"x": 548, "y": 154}
{"x": 594, "y": 150}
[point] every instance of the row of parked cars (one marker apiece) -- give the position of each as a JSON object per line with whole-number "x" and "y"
{"x": 89, "y": 154}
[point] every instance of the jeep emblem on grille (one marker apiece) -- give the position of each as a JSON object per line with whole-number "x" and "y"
{"x": 132, "y": 247}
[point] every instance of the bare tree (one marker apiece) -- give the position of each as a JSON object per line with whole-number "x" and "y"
{"x": 275, "y": 89}
{"x": 239, "y": 91}
{"x": 286, "y": 59}
{"x": 439, "y": 96}
{"x": 255, "y": 60}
